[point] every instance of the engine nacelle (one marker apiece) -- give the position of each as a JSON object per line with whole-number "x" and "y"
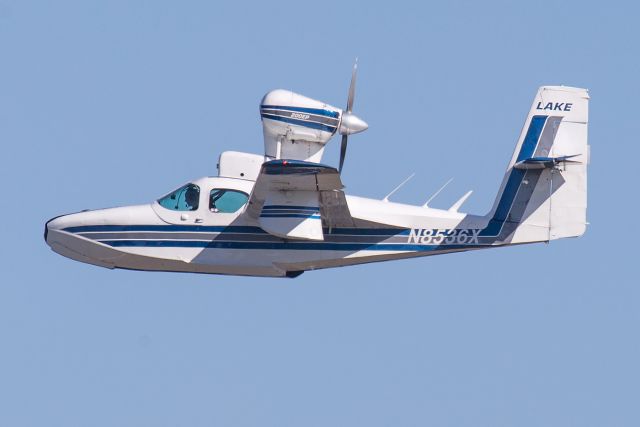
{"x": 297, "y": 127}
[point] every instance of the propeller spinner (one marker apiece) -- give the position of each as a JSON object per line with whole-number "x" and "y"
{"x": 349, "y": 122}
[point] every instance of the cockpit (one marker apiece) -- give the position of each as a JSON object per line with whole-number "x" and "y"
{"x": 220, "y": 200}
{"x": 205, "y": 201}
{"x": 213, "y": 200}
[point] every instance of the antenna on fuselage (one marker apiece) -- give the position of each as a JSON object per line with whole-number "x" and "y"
{"x": 426, "y": 204}
{"x": 461, "y": 200}
{"x": 386, "y": 198}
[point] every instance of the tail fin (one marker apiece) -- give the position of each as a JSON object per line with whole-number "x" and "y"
{"x": 544, "y": 192}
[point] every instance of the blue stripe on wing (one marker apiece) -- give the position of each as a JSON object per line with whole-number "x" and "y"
{"x": 291, "y": 207}
{"x": 290, "y": 215}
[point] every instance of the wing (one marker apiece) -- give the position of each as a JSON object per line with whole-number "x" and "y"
{"x": 294, "y": 199}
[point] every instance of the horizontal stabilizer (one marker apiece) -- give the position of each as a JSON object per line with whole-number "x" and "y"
{"x": 544, "y": 162}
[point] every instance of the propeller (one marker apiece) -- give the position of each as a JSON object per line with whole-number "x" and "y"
{"x": 350, "y": 123}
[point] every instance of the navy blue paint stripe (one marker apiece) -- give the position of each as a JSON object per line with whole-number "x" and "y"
{"x": 312, "y": 216}
{"x": 321, "y": 118}
{"x": 284, "y": 245}
{"x": 515, "y": 177}
{"x": 509, "y": 194}
{"x": 531, "y": 139}
{"x": 191, "y": 228}
{"x": 311, "y": 125}
{"x": 312, "y": 208}
{"x": 230, "y": 229}
{"x": 289, "y": 211}
{"x": 370, "y": 231}
{"x": 318, "y": 111}
{"x": 492, "y": 229}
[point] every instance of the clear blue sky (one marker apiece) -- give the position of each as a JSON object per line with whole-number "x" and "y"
{"x": 115, "y": 103}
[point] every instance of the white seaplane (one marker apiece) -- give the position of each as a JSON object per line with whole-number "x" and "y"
{"x": 282, "y": 213}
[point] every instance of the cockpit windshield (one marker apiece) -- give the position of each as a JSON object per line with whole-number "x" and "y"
{"x": 185, "y": 198}
{"x": 227, "y": 201}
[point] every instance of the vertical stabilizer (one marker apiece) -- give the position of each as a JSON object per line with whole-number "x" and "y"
{"x": 544, "y": 192}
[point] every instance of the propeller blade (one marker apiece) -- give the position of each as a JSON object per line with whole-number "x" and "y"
{"x": 352, "y": 87}
{"x": 349, "y": 123}
{"x": 343, "y": 152}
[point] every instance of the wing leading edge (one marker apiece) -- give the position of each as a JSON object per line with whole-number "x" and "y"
{"x": 295, "y": 199}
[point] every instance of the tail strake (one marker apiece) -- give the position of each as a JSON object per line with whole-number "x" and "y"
{"x": 544, "y": 192}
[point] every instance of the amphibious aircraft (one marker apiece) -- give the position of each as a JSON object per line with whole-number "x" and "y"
{"x": 282, "y": 212}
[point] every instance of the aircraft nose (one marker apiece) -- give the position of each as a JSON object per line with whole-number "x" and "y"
{"x": 56, "y": 226}
{"x": 53, "y": 224}
{"x": 77, "y": 235}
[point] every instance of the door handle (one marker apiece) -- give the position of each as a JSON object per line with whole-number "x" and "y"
{"x": 198, "y": 220}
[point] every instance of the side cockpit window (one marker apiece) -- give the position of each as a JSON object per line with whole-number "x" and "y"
{"x": 227, "y": 201}
{"x": 185, "y": 198}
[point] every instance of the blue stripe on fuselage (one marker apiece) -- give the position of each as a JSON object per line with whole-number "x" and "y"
{"x": 229, "y": 229}
{"x": 188, "y": 228}
{"x": 515, "y": 177}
